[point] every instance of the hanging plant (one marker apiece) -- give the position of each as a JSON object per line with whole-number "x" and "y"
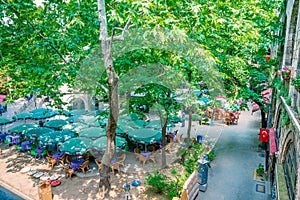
{"x": 285, "y": 118}
{"x": 286, "y": 73}
{"x": 296, "y": 82}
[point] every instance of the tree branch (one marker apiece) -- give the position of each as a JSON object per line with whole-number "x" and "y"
{"x": 35, "y": 30}
{"x": 127, "y": 26}
{"x": 103, "y": 88}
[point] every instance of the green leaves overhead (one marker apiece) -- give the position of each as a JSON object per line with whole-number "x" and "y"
{"x": 50, "y": 45}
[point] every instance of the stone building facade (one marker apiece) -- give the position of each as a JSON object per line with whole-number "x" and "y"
{"x": 284, "y": 165}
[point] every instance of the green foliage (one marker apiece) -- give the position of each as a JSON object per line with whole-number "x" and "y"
{"x": 174, "y": 171}
{"x": 288, "y": 101}
{"x": 283, "y": 91}
{"x": 285, "y": 118}
{"x": 190, "y": 163}
{"x": 182, "y": 152}
{"x": 277, "y": 83}
{"x": 296, "y": 82}
{"x": 260, "y": 169}
{"x": 163, "y": 184}
{"x": 205, "y": 119}
{"x": 158, "y": 181}
{"x": 211, "y": 155}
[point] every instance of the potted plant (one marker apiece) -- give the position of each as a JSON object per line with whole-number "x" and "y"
{"x": 296, "y": 82}
{"x": 286, "y": 73}
{"x": 267, "y": 57}
{"x": 260, "y": 170}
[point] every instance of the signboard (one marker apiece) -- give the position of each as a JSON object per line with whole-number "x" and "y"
{"x": 272, "y": 141}
{"x": 264, "y": 135}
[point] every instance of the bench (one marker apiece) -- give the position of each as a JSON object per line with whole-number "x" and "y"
{"x": 190, "y": 187}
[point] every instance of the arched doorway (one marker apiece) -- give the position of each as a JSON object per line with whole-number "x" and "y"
{"x": 76, "y": 104}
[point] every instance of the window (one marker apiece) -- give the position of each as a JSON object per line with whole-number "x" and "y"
{"x": 290, "y": 168}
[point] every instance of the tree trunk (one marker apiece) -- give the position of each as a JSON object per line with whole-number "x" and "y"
{"x": 263, "y": 119}
{"x": 190, "y": 113}
{"x": 163, "y": 152}
{"x": 113, "y": 79}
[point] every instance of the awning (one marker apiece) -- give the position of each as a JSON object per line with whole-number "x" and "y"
{"x": 2, "y": 97}
{"x": 272, "y": 141}
{"x": 266, "y": 95}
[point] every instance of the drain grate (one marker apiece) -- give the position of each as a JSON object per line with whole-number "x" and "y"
{"x": 260, "y": 188}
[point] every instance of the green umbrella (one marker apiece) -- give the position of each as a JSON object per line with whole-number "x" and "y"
{"x": 76, "y": 145}
{"x": 37, "y": 131}
{"x": 74, "y": 119}
{"x": 92, "y": 132}
{"x": 55, "y": 137}
{"x": 38, "y": 110}
{"x": 74, "y": 127}
{"x": 137, "y": 123}
{"x": 67, "y": 134}
{"x": 77, "y": 112}
{"x": 174, "y": 119}
{"x": 4, "y": 121}
{"x": 64, "y": 112}
{"x": 43, "y": 115}
{"x": 123, "y": 129}
{"x": 154, "y": 124}
{"x": 100, "y": 143}
{"x": 23, "y": 128}
{"x": 145, "y": 135}
{"x": 56, "y": 123}
{"x": 22, "y": 116}
{"x": 94, "y": 122}
{"x": 134, "y": 116}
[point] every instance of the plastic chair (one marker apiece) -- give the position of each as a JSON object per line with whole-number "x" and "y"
{"x": 18, "y": 148}
{"x": 44, "y": 153}
{"x": 33, "y": 153}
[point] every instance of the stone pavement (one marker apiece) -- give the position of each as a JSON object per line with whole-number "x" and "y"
{"x": 231, "y": 176}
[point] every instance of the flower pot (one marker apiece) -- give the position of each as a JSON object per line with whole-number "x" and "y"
{"x": 286, "y": 77}
{"x": 267, "y": 57}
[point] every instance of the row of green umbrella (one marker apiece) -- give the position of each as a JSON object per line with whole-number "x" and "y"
{"x": 93, "y": 137}
{"x": 80, "y": 145}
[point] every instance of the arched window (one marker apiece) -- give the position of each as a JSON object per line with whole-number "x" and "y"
{"x": 77, "y": 104}
{"x": 290, "y": 169}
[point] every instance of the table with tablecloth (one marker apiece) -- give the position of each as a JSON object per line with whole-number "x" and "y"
{"x": 26, "y": 145}
{"x": 3, "y": 136}
{"x": 15, "y": 139}
{"x": 57, "y": 155}
{"x": 40, "y": 150}
{"x": 75, "y": 164}
{"x": 173, "y": 136}
{"x": 146, "y": 154}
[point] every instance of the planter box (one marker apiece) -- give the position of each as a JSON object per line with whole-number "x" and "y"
{"x": 259, "y": 178}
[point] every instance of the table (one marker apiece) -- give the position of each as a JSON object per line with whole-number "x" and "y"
{"x": 39, "y": 150}
{"x": 75, "y": 164}
{"x": 146, "y": 154}
{"x": 57, "y": 155}
{"x": 3, "y": 136}
{"x": 26, "y": 145}
{"x": 113, "y": 161}
{"x": 173, "y": 136}
{"x": 15, "y": 139}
